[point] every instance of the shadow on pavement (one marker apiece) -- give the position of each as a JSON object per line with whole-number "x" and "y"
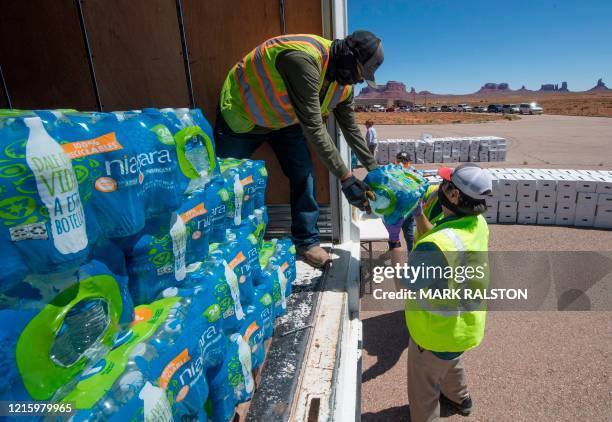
{"x": 401, "y": 414}
{"x": 384, "y": 336}
{"x": 398, "y": 413}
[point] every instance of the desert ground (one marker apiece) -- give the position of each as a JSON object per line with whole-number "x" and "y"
{"x": 426, "y": 117}
{"x": 532, "y": 365}
{"x": 592, "y": 104}
{"x": 564, "y": 103}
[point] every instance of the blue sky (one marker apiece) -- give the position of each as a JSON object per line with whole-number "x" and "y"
{"x": 453, "y": 47}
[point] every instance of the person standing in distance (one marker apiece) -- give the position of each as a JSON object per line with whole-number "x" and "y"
{"x": 371, "y": 138}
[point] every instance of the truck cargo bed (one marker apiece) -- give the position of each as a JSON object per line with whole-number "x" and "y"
{"x": 312, "y": 367}
{"x": 281, "y": 371}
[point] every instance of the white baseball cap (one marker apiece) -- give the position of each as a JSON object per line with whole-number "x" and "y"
{"x": 469, "y": 179}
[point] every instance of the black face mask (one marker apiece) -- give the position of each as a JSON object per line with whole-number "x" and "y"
{"x": 445, "y": 202}
{"x": 343, "y": 64}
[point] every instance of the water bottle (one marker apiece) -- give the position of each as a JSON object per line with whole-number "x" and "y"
{"x": 220, "y": 212}
{"x": 156, "y": 405}
{"x": 238, "y": 255}
{"x": 170, "y": 331}
{"x": 244, "y": 355}
{"x": 265, "y": 307}
{"x": 238, "y": 199}
{"x": 205, "y": 316}
{"x": 261, "y": 180}
{"x": 233, "y": 283}
{"x": 82, "y": 327}
{"x": 261, "y": 216}
{"x": 178, "y": 234}
{"x": 57, "y": 187}
{"x": 280, "y": 288}
{"x": 212, "y": 274}
{"x": 266, "y": 251}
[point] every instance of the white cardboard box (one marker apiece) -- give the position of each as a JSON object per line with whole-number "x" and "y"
{"x": 526, "y": 196}
{"x": 566, "y": 208}
{"x": 587, "y": 198}
{"x": 604, "y": 184}
{"x": 604, "y": 199}
{"x": 491, "y": 218}
{"x": 584, "y": 220}
{"x": 585, "y": 183}
{"x": 506, "y": 217}
{"x": 566, "y": 196}
{"x": 546, "y": 196}
{"x": 527, "y": 217}
{"x": 546, "y": 218}
{"x": 565, "y": 218}
{"x": 527, "y": 207}
{"x": 546, "y": 207}
{"x": 507, "y": 207}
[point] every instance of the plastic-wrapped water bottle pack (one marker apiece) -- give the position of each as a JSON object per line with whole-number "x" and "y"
{"x": 398, "y": 191}
{"x": 101, "y": 212}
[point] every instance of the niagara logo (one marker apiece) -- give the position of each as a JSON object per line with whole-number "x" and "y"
{"x": 134, "y": 164}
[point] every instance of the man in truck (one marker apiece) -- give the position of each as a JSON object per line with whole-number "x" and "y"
{"x": 282, "y": 93}
{"x": 454, "y": 250}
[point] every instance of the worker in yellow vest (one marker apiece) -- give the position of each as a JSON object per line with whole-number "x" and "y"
{"x": 281, "y": 93}
{"x": 441, "y": 325}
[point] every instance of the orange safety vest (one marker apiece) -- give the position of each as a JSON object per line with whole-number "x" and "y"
{"x": 254, "y": 93}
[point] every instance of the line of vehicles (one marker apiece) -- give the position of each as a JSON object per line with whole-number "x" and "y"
{"x": 523, "y": 108}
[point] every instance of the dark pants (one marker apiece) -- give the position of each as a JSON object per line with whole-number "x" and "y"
{"x": 408, "y": 230}
{"x": 290, "y": 148}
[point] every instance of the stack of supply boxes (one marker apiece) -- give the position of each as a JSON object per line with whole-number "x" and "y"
{"x": 443, "y": 150}
{"x": 136, "y": 282}
{"x": 561, "y": 197}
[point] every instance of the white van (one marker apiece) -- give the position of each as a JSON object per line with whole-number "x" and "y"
{"x": 530, "y": 108}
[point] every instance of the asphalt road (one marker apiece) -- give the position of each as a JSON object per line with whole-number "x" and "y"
{"x": 543, "y": 141}
{"x": 532, "y": 366}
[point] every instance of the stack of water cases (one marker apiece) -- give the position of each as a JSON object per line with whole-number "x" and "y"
{"x": 136, "y": 282}
{"x": 560, "y": 197}
{"x": 443, "y": 150}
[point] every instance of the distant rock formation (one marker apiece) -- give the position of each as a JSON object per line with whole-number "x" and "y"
{"x": 395, "y": 91}
{"x": 554, "y": 87}
{"x": 601, "y": 86}
{"x": 493, "y": 87}
{"x": 390, "y": 89}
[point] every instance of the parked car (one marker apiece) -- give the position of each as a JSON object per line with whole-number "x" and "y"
{"x": 530, "y": 108}
{"x": 510, "y": 108}
{"x": 494, "y": 108}
{"x": 463, "y": 107}
{"x": 377, "y": 108}
{"x": 434, "y": 108}
{"x": 479, "y": 109}
{"x": 446, "y": 108}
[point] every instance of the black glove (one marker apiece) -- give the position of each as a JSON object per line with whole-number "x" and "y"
{"x": 358, "y": 193}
